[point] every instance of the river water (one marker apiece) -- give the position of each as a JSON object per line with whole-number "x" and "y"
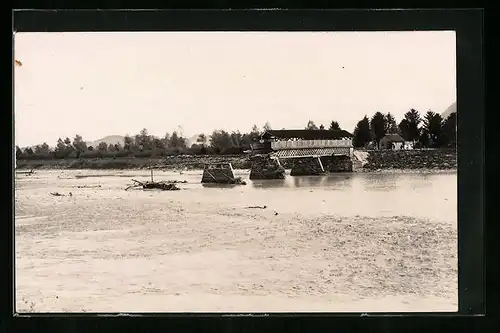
{"x": 344, "y": 242}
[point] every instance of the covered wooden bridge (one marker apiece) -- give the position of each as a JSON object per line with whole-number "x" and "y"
{"x": 309, "y": 149}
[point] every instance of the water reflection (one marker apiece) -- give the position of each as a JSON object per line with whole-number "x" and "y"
{"x": 308, "y": 181}
{"x": 380, "y": 182}
{"x": 268, "y": 183}
{"x": 226, "y": 186}
{"x": 330, "y": 181}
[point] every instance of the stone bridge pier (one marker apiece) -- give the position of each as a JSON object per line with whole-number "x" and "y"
{"x": 311, "y": 166}
{"x": 266, "y": 167}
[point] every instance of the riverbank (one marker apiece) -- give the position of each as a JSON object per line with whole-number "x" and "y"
{"x": 422, "y": 160}
{"x": 416, "y": 159}
{"x": 181, "y": 162}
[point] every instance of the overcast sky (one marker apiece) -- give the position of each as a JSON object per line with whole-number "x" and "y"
{"x": 98, "y": 84}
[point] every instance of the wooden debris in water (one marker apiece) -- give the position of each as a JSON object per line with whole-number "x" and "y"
{"x": 161, "y": 185}
{"x": 57, "y": 194}
{"x": 261, "y": 207}
{"x": 27, "y": 173}
{"x": 87, "y": 186}
{"x": 176, "y": 181}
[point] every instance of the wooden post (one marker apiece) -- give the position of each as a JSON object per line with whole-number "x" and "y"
{"x": 151, "y": 168}
{"x": 321, "y": 164}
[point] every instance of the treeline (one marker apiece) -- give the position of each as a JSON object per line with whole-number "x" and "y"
{"x": 145, "y": 145}
{"x": 429, "y": 131}
{"x": 220, "y": 142}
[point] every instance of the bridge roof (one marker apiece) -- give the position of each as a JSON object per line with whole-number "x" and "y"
{"x": 307, "y": 134}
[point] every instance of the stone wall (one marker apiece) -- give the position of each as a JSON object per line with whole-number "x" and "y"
{"x": 263, "y": 167}
{"x": 310, "y": 165}
{"x": 412, "y": 159}
{"x": 337, "y": 163}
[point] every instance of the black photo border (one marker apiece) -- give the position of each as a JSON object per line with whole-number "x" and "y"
{"x": 468, "y": 25}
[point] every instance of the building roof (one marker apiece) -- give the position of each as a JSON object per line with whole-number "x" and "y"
{"x": 393, "y": 138}
{"x": 308, "y": 134}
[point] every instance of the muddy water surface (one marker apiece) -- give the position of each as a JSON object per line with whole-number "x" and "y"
{"x": 347, "y": 242}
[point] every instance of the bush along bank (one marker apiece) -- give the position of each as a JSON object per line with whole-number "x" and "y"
{"x": 171, "y": 162}
{"x": 440, "y": 159}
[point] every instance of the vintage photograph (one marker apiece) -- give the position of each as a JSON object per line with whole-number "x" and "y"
{"x": 235, "y": 171}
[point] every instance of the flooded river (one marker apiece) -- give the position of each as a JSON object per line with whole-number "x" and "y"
{"x": 345, "y": 242}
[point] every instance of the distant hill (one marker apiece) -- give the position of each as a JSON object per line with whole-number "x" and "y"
{"x": 451, "y": 109}
{"x": 110, "y": 140}
{"x": 114, "y": 139}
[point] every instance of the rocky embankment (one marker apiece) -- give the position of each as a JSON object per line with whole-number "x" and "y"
{"x": 437, "y": 159}
{"x": 364, "y": 161}
{"x": 170, "y": 162}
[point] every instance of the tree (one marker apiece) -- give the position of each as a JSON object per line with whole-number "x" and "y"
{"x": 424, "y": 140}
{"x": 45, "y": 148}
{"x": 236, "y": 139}
{"x": 202, "y": 139}
{"x": 362, "y": 134}
{"x": 450, "y": 130}
{"x": 267, "y": 126}
{"x": 254, "y": 135}
{"x": 246, "y": 140}
{"x": 433, "y": 129}
{"x": 19, "y": 153}
{"x": 128, "y": 143}
{"x": 42, "y": 149}
{"x": 311, "y": 125}
{"x": 166, "y": 140}
{"x": 334, "y": 126}
{"x": 321, "y": 127}
{"x": 158, "y": 144}
{"x": 391, "y": 125}
{"x": 60, "y": 150}
{"x": 413, "y": 122}
{"x": 378, "y": 126}
{"x": 28, "y": 151}
{"x": 143, "y": 140}
{"x": 182, "y": 142}
{"x": 220, "y": 140}
{"x": 90, "y": 148}
{"x": 103, "y": 146}
{"x": 79, "y": 144}
{"x": 68, "y": 147}
{"x": 404, "y": 130}
{"x": 174, "y": 141}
